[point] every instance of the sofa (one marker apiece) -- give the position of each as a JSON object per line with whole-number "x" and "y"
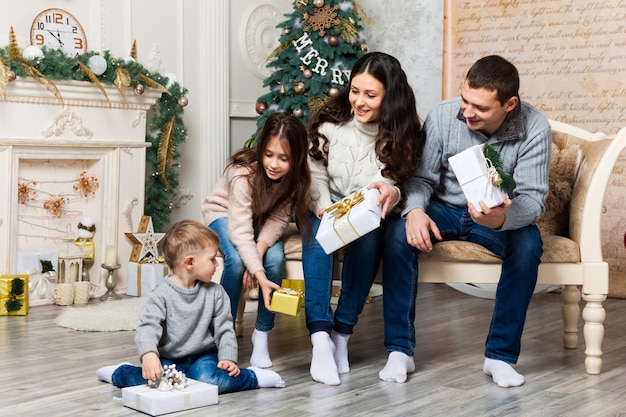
{"x": 581, "y": 166}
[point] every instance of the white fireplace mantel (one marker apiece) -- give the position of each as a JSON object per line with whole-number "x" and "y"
{"x": 46, "y": 143}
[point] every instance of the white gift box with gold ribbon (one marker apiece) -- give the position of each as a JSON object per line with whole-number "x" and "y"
{"x": 477, "y": 175}
{"x": 155, "y": 403}
{"x": 349, "y": 219}
{"x": 143, "y": 277}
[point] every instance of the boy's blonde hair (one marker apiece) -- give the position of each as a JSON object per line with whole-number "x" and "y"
{"x": 187, "y": 236}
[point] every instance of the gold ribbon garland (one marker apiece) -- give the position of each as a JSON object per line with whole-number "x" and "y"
{"x": 165, "y": 152}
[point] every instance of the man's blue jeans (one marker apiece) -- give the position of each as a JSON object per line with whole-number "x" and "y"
{"x": 201, "y": 368}
{"x": 520, "y": 251}
{"x": 232, "y": 277}
{"x": 360, "y": 265}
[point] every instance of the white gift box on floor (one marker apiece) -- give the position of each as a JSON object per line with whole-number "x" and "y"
{"x": 155, "y": 403}
{"x": 142, "y": 278}
{"x": 470, "y": 168}
{"x": 336, "y": 231}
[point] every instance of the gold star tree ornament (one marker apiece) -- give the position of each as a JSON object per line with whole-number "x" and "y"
{"x": 145, "y": 242}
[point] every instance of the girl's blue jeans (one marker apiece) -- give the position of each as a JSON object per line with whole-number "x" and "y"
{"x": 232, "y": 277}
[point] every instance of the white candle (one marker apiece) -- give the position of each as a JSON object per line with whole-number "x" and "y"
{"x": 111, "y": 255}
{"x": 73, "y": 272}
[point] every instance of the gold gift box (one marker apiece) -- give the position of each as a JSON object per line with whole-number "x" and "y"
{"x": 287, "y": 301}
{"x": 294, "y": 284}
{"x": 6, "y": 287}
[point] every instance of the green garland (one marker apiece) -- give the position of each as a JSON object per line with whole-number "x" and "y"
{"x": 494, "y": 157}
{"x": 162, "y": 177}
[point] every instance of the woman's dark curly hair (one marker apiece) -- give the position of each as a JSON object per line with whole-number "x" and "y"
{"x": 400, "y": 138}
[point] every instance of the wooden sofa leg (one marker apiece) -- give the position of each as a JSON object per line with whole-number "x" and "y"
{"x": 570, "y": 295}
{"x": 593, "y": 331}
{"x": 240, "y": 310}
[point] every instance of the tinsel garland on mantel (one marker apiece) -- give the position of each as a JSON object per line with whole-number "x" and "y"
{"x": 166, "y": 131}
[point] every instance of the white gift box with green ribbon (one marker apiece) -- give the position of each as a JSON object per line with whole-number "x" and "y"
{"x": 476, "y": 177}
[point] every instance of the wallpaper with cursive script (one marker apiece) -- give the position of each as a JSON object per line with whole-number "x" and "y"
{"x": 571, "y": 56}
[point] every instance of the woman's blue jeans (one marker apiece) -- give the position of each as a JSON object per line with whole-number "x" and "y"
{"x": 202, "y": 368}
{"x": 360, "y": 265}
{"x": 520, "y": 251}
{"x": 232, "y": 277}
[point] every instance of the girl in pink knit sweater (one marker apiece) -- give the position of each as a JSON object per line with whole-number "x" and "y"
{"x": 250, "y": 208}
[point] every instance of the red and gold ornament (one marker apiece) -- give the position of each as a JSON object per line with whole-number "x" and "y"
{"x": 260, "y": 107}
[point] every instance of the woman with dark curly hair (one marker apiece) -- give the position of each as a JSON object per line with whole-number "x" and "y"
{"x": 368, "y": 136}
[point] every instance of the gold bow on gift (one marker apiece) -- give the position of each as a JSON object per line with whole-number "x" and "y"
{"x": 344, "y": 206}
{"x": 492, "y": 173}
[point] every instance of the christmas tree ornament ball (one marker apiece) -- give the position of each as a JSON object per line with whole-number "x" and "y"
{"x": 333, "y": 40}
{"x": 261, "y": 107}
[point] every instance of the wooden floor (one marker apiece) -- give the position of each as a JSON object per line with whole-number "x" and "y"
{"x": 49, "y": 371}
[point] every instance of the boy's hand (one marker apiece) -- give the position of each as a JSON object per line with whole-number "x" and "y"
{"x": 151, "y": 368}
{"x": 230, "y": 366}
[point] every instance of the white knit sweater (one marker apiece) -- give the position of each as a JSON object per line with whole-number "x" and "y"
{"x": 352, "y": 163}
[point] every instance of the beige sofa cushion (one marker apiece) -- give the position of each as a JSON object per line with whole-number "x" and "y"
{"x": 555, "y": 249}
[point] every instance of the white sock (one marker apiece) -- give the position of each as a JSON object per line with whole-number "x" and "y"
{"x": 260, "y": 352}
{"x": 267, "y": 378}
{"x": 323, "y": 367}
{"x": 340, "y": 340}
{"x": 502, "y": 373}
{"x": 106, "y": 372}
{"x": 397, "y": 368}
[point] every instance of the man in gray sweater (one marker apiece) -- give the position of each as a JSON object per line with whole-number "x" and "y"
{"x": 489, "y": 111}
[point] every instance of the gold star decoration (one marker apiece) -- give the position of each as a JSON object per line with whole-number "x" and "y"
{"x": 145, "y": 241}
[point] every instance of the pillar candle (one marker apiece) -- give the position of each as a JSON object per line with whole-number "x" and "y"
{"x": 111, "y": 255}
{"x": 73, "y": 272}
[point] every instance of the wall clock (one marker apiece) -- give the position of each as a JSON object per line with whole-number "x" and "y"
{"x": 56, "y": 28}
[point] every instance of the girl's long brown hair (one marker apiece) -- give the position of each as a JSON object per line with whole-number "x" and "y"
{"x": 294, "y": 186}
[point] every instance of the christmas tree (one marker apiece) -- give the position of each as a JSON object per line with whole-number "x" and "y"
{"x": 320, "y": 42}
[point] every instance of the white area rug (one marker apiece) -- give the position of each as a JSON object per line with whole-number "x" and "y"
{"x": 104, "y": 316}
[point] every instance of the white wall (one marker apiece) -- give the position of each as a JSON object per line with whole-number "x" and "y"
{"x": 207, "y": 45}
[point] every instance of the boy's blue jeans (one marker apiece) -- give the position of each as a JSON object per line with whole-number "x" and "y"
{"x": 519, "y": 249}
{"x": 232, "y": 277}
{"x": 202, "y": 368}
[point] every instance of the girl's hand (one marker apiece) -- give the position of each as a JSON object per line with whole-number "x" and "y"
{"x": 151, "y": 368}
{"x": 389, "y": 196}
{"x": 267, "y": 287}
{"x": 248, "y": 281}
{"x": 230, "y": 366}
{"x": 320, "y": 213}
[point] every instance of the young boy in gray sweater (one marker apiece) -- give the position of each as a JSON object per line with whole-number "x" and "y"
{"x": 187, "y": 322}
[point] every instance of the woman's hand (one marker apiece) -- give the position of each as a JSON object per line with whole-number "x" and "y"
{"x": 389, "y": 196}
